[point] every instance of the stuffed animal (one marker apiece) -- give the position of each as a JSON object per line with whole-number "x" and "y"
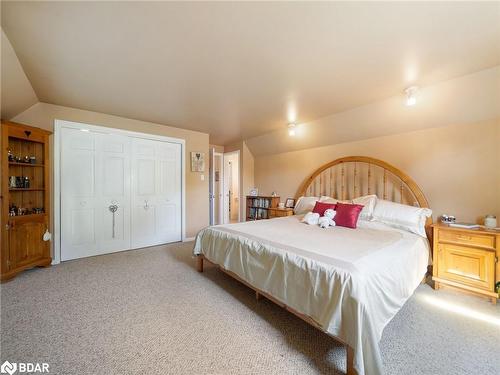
{"x": 330, "y": 214}
{"x": 324, "y": 222}
{"x": 327, "y": 220}
{"x": 311, "y": 218}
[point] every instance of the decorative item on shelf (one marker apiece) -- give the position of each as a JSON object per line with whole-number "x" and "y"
{"x": 38, "y": 210}
{"x": 447, "y": 219}
{"x": 290, "y": 203}
{"x": 13, "y": 211}
{"x": 11, "y": 156}
{"x": 26, "y": 182}
{"x": 12, "y": 182}
{"x": 281, "y": 205}
{"x": 26, "y": 159}
{"x": 253, "y": 192}
{"x": 197, "y": 162}
{"x": 274, "y": 194}
{"x": 497, "y": 289}
{"x": 32, "y": 159}
{"x": 490, "y": 221}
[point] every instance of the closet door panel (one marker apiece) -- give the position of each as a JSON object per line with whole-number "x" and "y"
{"x": 144, "y": 187}
{"x": 78, "y": 194}
{"x": 114, "y": 194}
{"x": 169, "y": 197}
{"x": 156, "y": 193}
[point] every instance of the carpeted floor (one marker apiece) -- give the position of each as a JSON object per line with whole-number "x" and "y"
{"x": 149, "y": 312}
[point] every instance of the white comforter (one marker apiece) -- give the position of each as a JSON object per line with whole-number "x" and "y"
{"x": 350, "y": 281}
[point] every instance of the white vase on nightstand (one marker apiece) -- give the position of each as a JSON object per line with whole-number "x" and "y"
{"x": 490, "y": 221}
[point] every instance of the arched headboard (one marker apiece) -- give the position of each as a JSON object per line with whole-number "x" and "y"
{"x": 354, "y": 176}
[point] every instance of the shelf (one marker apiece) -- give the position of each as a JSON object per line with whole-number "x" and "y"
{"x": 262, "y": 208}
{"x": 26, "y": 217}
{"x": 24, "y": 189}
{"x": 26, "y": 164}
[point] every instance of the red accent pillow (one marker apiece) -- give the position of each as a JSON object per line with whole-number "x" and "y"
{"x": 347, "y": 214}
{"x": 321, "y": 207}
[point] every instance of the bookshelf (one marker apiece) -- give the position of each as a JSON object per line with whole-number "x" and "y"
{"x": 258, "y": 207}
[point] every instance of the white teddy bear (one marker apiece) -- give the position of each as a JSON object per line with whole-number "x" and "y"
{"x": 327, "y": 220}
{"x": 311, "y": 218}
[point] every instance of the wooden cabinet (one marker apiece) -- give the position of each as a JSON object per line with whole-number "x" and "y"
{"x": 467, "y": 259}
{"x": 25, "y": 199}
{"x": 280, "y": 212}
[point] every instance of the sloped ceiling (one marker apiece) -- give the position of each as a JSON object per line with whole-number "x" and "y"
{"x": 240, "y": 70}
{"x": 17, "y": 93}
{"x": 465, "y": 100}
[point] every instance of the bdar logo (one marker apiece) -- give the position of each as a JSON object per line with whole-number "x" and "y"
{"x": 8, "y": 368}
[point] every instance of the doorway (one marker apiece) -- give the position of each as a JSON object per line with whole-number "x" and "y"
{"x": 231, "y": 186}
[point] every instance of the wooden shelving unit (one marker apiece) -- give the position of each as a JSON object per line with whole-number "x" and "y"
{"x": 258, "y": 207}
{"x": 21, "y": 238}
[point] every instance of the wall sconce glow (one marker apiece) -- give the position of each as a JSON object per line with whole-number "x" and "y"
{"x": 291, "y": 129}
{"x": 411, "y": 95}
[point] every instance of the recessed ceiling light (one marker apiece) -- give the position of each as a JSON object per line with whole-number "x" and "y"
{"x": 411, "y": 95}
{"x": 291, "y": 129}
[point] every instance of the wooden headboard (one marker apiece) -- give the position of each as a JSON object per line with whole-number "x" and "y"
{"x": 354, "y": 176}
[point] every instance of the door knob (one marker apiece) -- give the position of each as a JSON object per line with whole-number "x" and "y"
{"x": 146, "y": 205}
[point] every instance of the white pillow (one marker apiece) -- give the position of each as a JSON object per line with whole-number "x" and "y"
{"x": 304, "y": 205}
{"x": 402, "y": 216}
{"x": 368, "y": 201}
{"x": 326, "y": 199}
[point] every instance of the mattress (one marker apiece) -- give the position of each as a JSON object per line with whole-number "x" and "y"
{"x": 351, "y": 282}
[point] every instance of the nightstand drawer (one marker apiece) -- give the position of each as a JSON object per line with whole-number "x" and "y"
{"x": 280, "y": 212}
{"x": 467, "y": 265}
{"x": 467, "y": 238}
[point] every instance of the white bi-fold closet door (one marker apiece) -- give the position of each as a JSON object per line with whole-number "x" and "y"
{"x": 156, "y": 193}
{"x": 118, "y": 192}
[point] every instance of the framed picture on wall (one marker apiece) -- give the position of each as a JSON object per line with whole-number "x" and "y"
{"x": 197, "y": 161}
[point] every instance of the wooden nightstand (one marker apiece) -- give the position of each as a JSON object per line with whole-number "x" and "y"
{"x": 466, "y": 259}
{"x": 280, "y": 212}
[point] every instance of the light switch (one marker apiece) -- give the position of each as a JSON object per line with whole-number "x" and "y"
{"x": 202, "y": 177}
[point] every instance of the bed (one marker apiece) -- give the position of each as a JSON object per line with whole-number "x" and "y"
{"x": 346, "y": 282}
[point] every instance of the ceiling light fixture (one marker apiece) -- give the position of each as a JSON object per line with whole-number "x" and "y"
{"x": 291, "y": 129}
{"x": 411, "y": 95}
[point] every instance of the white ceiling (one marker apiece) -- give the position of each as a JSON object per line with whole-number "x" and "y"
{"x": 238, "y": 70}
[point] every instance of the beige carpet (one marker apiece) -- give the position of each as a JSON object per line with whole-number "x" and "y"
{"x": 150, "y": 312}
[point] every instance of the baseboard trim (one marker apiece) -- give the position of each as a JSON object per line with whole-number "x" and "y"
{"x": 188, "y": 239}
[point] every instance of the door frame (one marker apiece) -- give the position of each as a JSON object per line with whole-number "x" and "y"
{"x": 213, "y": 154}
{"x": 236, "y": 152}
{"x": 56, "y": 172}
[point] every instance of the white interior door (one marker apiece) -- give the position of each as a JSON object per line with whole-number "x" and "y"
{"x": 156, "y": 192}
{"x": 226, "y": 190}
{"x": 94, "y": 175}
{"x": 218, "y": 189}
